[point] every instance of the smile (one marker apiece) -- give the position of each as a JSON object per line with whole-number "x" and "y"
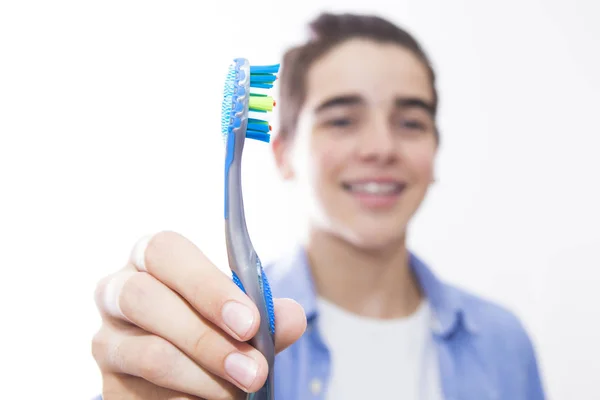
{"x": 375, "y": 195}
{"x": 375, "y": 188}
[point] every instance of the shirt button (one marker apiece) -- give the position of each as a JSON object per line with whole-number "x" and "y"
{"x": 315, "y": 386}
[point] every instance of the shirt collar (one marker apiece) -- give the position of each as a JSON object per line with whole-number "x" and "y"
{"x": 449, "y": 312}
{"x": 292, "y": 278}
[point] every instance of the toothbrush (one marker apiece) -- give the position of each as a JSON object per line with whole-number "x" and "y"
{"x": 244, "y": 111}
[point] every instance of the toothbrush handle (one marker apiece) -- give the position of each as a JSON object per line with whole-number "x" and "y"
{"x": 249, "y": 276}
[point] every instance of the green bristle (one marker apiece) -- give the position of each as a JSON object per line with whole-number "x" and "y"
{"x": 263, "y": 78}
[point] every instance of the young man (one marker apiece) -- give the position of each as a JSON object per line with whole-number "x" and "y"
{"x": 358, "y": 315}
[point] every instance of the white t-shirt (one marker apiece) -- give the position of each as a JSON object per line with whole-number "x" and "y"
{"x": 380, "y": 359}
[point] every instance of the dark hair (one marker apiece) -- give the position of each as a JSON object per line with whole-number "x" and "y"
{"x": 327, "y": 31}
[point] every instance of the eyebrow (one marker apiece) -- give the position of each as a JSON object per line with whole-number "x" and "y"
{"x": 353, "y": 99}
{"x": 345, "y": 100}
{"x": 414, "y": 102}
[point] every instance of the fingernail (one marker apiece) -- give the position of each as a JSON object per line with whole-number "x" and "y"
{"x": 238, "y": 317}
{"x": 241, "y": 368}
{"x": 138, "y": 254}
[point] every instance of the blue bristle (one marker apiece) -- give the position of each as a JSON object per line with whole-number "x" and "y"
{"x": 253, "y": 126}
{"x": 264, "y": 69}
{"x": 237, "y": 281}
{"x": 261, "y": 85}
{"x": 268, "y": 299}
{"x": 256, "y": 135}
{"x": 255, "y": 121}
{"x": 262, "y": 78}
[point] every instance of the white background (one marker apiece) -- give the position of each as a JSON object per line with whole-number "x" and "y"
{"x": 110, "y": 121}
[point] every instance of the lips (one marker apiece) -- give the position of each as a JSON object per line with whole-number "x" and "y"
{"x": 375, "y": 194}
{"x": 375, "y": 187}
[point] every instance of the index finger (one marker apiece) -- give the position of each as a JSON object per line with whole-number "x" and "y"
{"x": 181, "y": 265}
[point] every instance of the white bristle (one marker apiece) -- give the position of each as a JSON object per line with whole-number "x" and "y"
{"x": 260, "y": 115}
{"x": 268, "y": 92}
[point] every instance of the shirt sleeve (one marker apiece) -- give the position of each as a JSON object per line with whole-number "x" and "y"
{"x": 533, "y": 381}
{"x": 535, "y": 386}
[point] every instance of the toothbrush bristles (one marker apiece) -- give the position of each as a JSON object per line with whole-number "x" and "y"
{"x": 260, "y": 103}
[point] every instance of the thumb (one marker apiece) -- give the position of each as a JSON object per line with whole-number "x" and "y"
{"x": 290, "y": 322}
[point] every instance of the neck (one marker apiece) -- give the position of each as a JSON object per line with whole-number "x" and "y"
{"x": 372, "y": 283}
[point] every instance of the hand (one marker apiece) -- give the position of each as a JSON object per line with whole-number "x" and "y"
{"x": 174, "y": 327}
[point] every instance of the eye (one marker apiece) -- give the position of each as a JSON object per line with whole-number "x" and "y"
{"x": 340, "y": 122}
{"x": 413, "y": 124}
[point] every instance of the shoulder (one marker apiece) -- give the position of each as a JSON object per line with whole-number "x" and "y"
{"x": 500, "y": 336}
{"x": 491, "y": 320}
{"x": 456, "y": 306}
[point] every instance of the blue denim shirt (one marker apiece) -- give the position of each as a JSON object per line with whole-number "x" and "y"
{"x": 483, "y": 350}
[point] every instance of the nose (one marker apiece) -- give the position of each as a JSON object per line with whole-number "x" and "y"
{"x": 377, "y": 142}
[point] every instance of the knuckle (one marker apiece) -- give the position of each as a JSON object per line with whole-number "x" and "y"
{"x": 201, "y": 342}
{"x": 201, "y": 301}
{"x": 101, "y": 347}
{"x": 160, "y": 245}
{"x": 98, "y": 345}
{"x": 158, "y": 361}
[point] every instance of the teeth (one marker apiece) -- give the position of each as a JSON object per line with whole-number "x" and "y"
{"x": 375, "y": 187}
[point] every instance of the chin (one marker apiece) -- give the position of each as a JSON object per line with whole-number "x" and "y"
{"x": 376, "y": 238}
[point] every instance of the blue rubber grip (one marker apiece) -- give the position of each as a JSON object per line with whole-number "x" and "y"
{"x": 268, "y": 300}
{"x": 266, "y": 293}
{"x": 237, "y": 281}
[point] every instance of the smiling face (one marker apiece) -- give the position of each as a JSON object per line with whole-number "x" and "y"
{"x": 363, "y": 150}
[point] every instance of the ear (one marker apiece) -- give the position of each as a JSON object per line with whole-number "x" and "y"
{"x": 281, "y": 151}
